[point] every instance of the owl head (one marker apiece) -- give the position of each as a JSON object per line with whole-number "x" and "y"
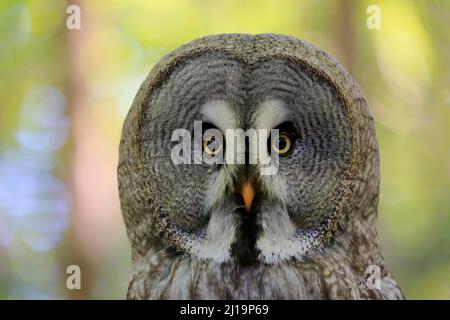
{"x": 325, "y": 187}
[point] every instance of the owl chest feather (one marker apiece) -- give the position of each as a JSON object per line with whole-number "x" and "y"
{"x": 161, "y": 277}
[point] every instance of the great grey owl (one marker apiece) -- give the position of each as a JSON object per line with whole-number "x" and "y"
{"x": 223, "y": 230}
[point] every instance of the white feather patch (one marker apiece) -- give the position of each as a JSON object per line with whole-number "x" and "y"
{"x": 271, "y": 113}
{"x": 220, "y": 114}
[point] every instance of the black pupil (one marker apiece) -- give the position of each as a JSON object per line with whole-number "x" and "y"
{"x": 213, "y": 145}
{"x": 281, "y": 143}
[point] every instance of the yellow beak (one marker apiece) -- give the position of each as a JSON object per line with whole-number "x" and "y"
{"x": 248, "y": 193}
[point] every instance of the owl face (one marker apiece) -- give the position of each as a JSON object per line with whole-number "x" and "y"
{"x": 221, "y": 229}
{"x": 230, "y": 212}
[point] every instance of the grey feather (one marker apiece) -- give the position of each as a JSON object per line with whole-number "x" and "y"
{"x": 314, "y": 232}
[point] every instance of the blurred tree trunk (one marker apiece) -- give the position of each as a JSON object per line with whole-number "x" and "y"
{"x": 346, "y": 33}
{"x": 76, "y": 94}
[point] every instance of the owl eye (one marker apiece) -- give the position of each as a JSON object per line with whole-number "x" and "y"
{"x": 283, "y": 144}
{"x": 211, "y": 146}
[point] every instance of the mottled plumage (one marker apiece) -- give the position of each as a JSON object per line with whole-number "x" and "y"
{"x": 311, "y": 232}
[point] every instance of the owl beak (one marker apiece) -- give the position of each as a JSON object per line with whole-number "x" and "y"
{"x": 248, "y": 193}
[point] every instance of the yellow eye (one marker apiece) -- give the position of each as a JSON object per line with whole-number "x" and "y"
{"x": 211, "y": 146}
{"x": 283, "y": 144}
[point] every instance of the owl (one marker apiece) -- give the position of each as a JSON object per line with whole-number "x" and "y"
{"x": 226, "y": 229}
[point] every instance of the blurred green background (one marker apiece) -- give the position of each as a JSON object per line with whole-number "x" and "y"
{"x": 64, "y": 95}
